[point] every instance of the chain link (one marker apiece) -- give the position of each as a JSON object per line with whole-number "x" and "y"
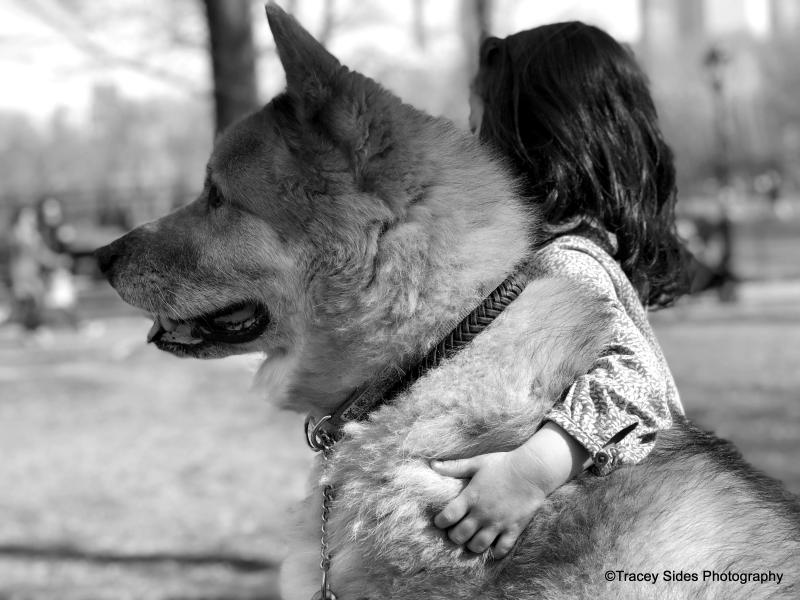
{"x": 328, "y": 491}
{"x": 325, "y": 556}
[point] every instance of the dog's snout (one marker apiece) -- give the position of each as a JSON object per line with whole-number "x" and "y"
{"x": 106, "y": 257}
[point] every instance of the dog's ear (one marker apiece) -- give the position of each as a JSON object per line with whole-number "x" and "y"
{"x": 341, "y": 105}
{"x": 310, "y": 68}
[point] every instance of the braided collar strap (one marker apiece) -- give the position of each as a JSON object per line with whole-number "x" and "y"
{"x": 322, "y": 434}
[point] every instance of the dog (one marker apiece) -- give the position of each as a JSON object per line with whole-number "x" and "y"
{"x": 342, "y": 234}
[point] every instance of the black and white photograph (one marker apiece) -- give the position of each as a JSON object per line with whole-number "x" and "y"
{"x": 409, "y": 299}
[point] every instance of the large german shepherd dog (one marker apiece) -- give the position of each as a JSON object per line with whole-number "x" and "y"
{"x": 343, "y": 233}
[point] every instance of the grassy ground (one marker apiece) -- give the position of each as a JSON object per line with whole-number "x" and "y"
{"x": 738, "y": 369}
{"x": 127, "y": 473}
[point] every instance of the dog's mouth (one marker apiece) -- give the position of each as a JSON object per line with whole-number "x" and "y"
{"x": 237, "y": 324}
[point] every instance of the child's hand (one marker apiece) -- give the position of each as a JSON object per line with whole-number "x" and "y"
{"x": 506, "y": 489}
{"x": 494, "y": 508}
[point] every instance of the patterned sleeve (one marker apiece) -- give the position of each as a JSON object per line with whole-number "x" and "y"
{"x": 615, "y": 409}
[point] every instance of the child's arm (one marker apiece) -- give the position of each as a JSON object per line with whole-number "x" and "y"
{"x": 616, "y": 409}
{"x": 608, "y": 417}
{"x": 597, "y": 423}
{"x": 620, "y": 395}
{"x": 507, "y": 488}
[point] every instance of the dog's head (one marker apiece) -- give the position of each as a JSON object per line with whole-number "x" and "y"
{"x": 323, "y": 214}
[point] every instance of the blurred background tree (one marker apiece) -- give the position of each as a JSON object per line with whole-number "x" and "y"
{"x": 233, "y": 59}
{"x": 161, "y": 78}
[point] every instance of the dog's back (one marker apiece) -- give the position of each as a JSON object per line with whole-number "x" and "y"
{"x": 694, "y": 515}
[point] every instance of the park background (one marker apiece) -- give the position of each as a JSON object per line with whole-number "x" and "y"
{"x": 128, "y": 473}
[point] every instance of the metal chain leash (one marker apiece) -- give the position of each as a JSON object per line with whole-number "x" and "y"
{"x": 325, "y": 592}
{"x": 321, "y": 437}
{"x": 322, "y": 442}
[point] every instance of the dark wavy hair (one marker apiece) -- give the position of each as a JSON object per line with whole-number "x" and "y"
{"x": 571, "y": 109}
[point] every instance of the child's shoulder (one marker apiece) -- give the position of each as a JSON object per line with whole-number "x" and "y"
{"x": 571, "y": 248}
{"x": 580, "y": 259}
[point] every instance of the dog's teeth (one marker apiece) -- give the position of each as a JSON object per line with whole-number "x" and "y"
{"x": 168, "y": 324}
{"x": 154, "y": 329}
{"x": 183, "y": 329}
{"x": 180, "y": 339}
{"x": 181, "y": 334}
{"x": 235, "y": 317}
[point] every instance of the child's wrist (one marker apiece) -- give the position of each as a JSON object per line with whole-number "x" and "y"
{"x": 551, "y": 458}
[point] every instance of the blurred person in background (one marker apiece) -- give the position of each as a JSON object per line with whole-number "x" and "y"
{"x": 29, "y": 258}
{"x": 41, "y": 287}
{"x": 60, "y": 296}
{"x": 709, "y": 243}
{"x": 52, "y": 226}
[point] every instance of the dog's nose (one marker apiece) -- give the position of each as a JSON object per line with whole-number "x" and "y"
{"x": 106, "y": 257}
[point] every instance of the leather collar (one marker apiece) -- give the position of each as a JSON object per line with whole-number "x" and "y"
{"x": 323, "y": 433}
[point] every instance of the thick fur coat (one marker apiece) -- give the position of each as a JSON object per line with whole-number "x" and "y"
{"x": 341, "y": 233}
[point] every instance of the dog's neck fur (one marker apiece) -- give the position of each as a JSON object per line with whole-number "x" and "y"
{"x": 430, "y": 270}
{"x": 451, "y": 226}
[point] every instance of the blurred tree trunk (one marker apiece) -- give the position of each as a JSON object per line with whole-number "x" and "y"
{"x": 233, "y": 59}
{"x": 477, "y": 17}
{"x": 328, "y": 23}
{"x": 475, "y": 24}
{"x": 420, "y": 36}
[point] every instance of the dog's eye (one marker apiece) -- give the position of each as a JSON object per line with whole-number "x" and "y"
{"x": 215, "y": 199}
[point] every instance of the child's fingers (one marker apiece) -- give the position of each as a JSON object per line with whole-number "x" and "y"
{"x": 461, "y": 468}
{"x": 481, "y": 541}
{"x": 463, "y": 531}
{"x": 452, "y": 513}
{"x": 504, "y": 545}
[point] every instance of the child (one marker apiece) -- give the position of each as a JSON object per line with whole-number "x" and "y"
{"x": 571, "y": 110}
